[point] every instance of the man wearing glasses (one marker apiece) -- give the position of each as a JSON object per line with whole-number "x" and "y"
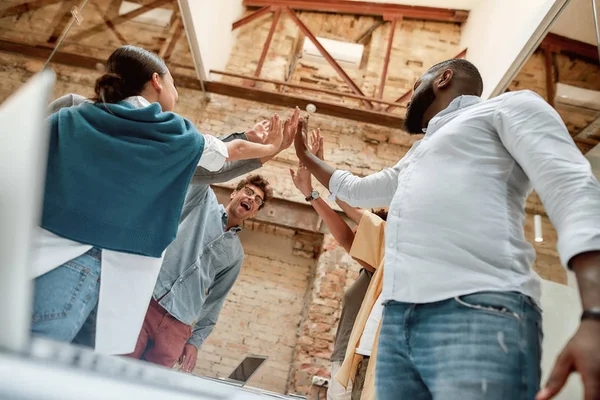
{"x": 199, "y": 269}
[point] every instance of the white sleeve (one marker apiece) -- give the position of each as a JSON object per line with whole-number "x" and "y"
{"x": 376, "y": 190}
{"x": 214, "y": 154}
{"x": 535, "y": 136}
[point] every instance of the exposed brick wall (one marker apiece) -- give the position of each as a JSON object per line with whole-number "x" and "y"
{"x": 335, "y": 272}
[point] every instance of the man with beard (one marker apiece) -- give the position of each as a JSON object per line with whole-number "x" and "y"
{"x": 462, "y": 317}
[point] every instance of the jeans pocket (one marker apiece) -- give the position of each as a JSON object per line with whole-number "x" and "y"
{"x": 508, "y": 305}
{"x": 57, "y": 291}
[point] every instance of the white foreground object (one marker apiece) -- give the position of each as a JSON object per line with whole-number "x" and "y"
{"x": 24, "y": 139}
{"x": 561, "y": 308}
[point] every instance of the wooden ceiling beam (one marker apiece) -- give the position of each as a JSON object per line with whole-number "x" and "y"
{"x": 119, "y": 20}
{"x": 267, "y": 44}
{"x": 61, "y": 19}
{"x": 366, "y": 8}
{"x": 334, "y": 64}
{"x": 386, "y": 60}
{"x": 19, "y": 9}
{"x": 286, "y": 100}
{"x": 369, "y": 32}
{"x": 251, "y": 17}
{"x": 111, "y": 14}
{"x": 176, "y": 32}
{"x": 300, "y": 87}
{"x": 279, "y": 212}
{"x": 561, "y": 44}
{"x": 78, "y": 60}
{"x": 549, "y": 76}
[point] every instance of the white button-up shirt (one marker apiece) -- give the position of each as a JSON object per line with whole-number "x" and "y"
{"x": 457, "y": 199}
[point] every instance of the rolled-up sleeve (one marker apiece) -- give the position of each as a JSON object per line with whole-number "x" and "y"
{"x": 214, "y": 154}
{"x": 376, "y": 190}
{"x": 534, "y": 134}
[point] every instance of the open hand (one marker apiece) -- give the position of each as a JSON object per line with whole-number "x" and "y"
{"x": 275, "y": 132}
{"x": 302, "y": 180}
{"x": 289, "y": 129}
{"x": 300, "y": 138}
{"x": 188, "y": 358}
{"x": 258, "y": 133}
{"x": 581, "y": 355}
{"x": 316, "y": 143}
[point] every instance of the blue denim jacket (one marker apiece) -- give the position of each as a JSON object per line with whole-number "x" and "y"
{"x": 204, "y": 261}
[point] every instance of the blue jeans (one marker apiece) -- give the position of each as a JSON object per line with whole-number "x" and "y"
{"x": 481, "y": 346}
{"x": 65, "y": 297}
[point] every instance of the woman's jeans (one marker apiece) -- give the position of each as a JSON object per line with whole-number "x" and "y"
{"x": 66, "y": 300}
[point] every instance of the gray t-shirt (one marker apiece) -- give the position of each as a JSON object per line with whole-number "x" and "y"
{"x": 353, "y": 299}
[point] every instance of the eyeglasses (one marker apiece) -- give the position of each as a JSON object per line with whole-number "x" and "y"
{"x": 257, "y": 199}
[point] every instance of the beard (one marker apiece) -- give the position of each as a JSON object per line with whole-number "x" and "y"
{"x": 413, "y": 123}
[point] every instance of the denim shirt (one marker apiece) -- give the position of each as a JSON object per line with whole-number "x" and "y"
{"x": 204, "y": 261}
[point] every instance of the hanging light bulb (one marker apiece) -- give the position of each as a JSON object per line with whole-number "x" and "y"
{"x": 537, "y": 225}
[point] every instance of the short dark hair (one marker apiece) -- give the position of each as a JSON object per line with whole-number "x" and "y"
{"x": 259, "y": 182}
{"x": 128, "y": 69}
{"x": 381, "y": 213}
{"x": 466, "y": 69}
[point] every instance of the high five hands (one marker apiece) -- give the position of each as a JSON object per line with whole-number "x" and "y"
{"x": 301, "y": 177}
{"x": 268, "y": 131}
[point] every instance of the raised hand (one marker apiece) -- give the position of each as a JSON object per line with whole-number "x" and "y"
{"x": 316, "y": 143}
{"x": 258, "y": 133}
{"x": 300, "y": 138}
{"x": 289, "y": 129}
{"x": 275, "y": 132}
{"x": 302, "y": 180}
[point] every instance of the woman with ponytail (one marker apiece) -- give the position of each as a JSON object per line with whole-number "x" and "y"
{"x": 117, "y": 174}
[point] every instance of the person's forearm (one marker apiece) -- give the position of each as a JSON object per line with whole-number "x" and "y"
{"x": 587, "y": 269}
{"x": 230, "y": 170}
{"x": 355, "y": 214}
{"x": 264, "y": 160}
{"x": 244, "y": 150}
{"x": 337, "y": 226}
{"x": 318, "y": 168}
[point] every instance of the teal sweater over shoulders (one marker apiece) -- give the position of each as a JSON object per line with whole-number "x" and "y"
{"x": 117, "y": 175}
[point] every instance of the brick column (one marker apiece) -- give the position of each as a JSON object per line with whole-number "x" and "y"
{"x": 335, "y": 271}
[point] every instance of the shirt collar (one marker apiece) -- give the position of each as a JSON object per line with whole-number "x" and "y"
{"x": 225, "y": 219}
{"x": 455, "y": 105}
{"x": 137, "y": 101}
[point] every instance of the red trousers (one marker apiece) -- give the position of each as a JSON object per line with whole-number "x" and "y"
{"x": 162, "y": 338}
